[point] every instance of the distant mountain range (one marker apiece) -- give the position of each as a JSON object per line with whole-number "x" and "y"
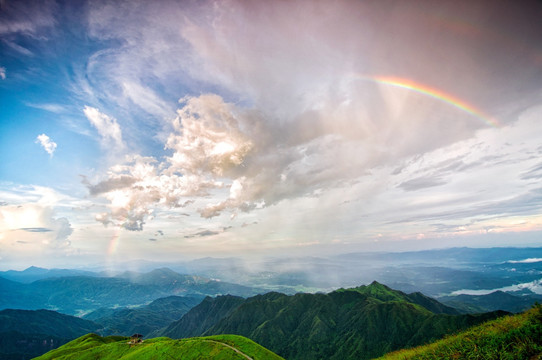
{"x": 77, "y": 295}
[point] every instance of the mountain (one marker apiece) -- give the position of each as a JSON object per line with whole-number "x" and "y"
{"x": 203, "y": 316}
{"x": 25, "y": 334}
{"x": 45, "y": 322}
{"x": 117, "y": 348}
{"x": 144, "y": 319}
{"x": 497, "y": 300}
{"x": 78, "y": 295}
{"x": 34, "y": 273}
{"x": 510, "y": 337}
{"x": 384, "y": 293}
{"x": 357, "y": 323}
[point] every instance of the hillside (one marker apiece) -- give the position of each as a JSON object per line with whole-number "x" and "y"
{"x": 45, "y": 322}
{"x": 358, "y": 323}
{"x": 144, "y": 319}
{"x": 26, "y": 333}
{"x": 207, "y": 314}
{"x": 92, "y": 346}
{"x": 512, "y": 337}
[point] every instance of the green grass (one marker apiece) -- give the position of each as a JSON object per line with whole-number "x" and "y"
{"x": 92, "y": 347}
{"x": 512, "y": 337}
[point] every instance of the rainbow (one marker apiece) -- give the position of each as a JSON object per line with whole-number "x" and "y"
{"x": 114, "y": 243}
{"x": 436, "y": 94}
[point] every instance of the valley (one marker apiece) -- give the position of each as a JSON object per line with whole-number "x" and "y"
{"x": 333, "y": 321}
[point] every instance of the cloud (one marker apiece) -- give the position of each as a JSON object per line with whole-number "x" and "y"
{"x": 525, "y": 261}
{"x": 40, "y": 229}
{"x": 107, "y": 127}
{"x": 51, "y": 107}
{"x": 421, "y": 183}
{"x": 2, "y": 73}
{"x": 27, "y": 18}
{"x": 288, "y": 115}
{"x": 47, "y": 143}
{"x": 203, "y": 233}
{"x": 116, "y": 183}
{"x": 34, "y": 224}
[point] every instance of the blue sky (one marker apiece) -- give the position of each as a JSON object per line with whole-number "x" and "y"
{"x": 177, "y": 129}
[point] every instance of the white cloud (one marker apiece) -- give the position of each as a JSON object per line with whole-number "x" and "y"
{"x": 107, "y": 127}
{"x": 46, "y": 143}
{"x": 2, "y": 73}
{"x": 30, "y": 228}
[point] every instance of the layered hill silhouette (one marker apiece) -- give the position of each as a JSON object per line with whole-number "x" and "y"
{"x": 143, "y": 319}
{"x": 77, "y": 295}
{"x": 224, "y": 347}
{"x": 356, "y": 323}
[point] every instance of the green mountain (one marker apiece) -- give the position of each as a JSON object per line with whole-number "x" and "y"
{"x": 384, "y": 293}
{"x": 512, "y": 337}
{"x": 45, "y": 322}
{"x": 204, "y": 316}
{"x": 357, "y": 323}
{"x": 225, "y": 347}
{"x": 144, "y": 319}
{"x": 26, "y": 333}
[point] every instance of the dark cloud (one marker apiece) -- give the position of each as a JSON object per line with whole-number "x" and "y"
{"x": 36, "y": 229}
{"x": 152, "y": 239}
{"x": 120, "y": 182}
{"x": 203, "y": 233}
{"x": 533, "y": 173}
{"x": 421, "y": 183}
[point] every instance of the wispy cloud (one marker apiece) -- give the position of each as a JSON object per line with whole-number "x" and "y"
{"x": 51, "y": 107}
{"x": 47, "y": 144}
{"x": 2, "y": 73}
{"x": 107, "y": 127}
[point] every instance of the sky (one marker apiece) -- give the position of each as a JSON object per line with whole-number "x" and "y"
{"x": 168, "y": 130}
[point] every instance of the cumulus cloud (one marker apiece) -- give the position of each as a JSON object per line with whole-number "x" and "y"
{"x": 47, "y": 144}
{"x": 107, "y": 127}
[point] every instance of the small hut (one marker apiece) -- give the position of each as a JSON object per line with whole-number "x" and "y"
{"x": 136, "y": 339}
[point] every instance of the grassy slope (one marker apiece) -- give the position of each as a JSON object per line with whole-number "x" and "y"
{"x": 92, "y": 346}
{"x": 511, "y": 337}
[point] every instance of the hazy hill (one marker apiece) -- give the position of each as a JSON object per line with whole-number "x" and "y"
{"x": 512, "y": 337}
{"x": 224, "y": 347}
{"x": 497, "y": 300}
{"x": 34, "y": 273}
{"x": 358, "y": 323}
{"x": 144, "y": 319}
{"x": 25, "y": 334}
{"x": 81, "y": 294}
